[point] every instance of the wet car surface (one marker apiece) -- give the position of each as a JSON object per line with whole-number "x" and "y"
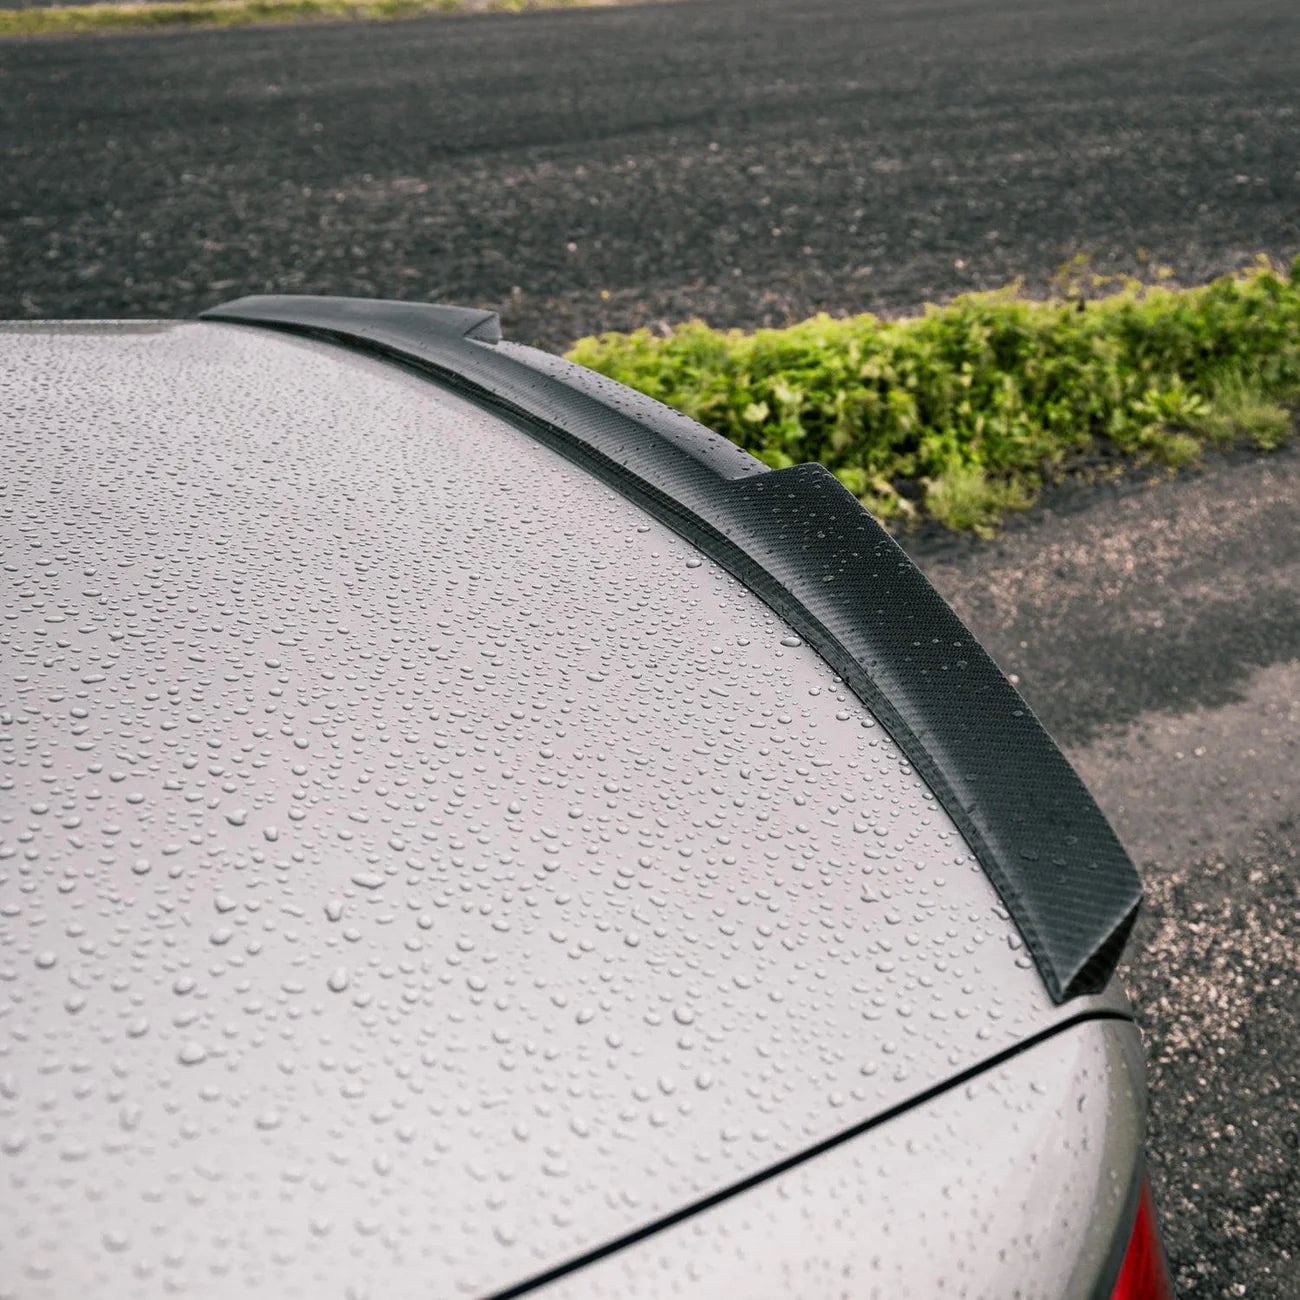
{"x": 419, "y": 863}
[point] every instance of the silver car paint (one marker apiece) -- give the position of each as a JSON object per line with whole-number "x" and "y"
{"x": 1015, "y": 1184}
{"x": 416, "y": 865}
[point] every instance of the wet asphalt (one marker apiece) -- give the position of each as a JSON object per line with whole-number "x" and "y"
{"x": 753, "y": 161}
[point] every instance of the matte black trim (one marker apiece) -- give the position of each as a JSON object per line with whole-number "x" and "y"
{"x": 801, "y": 1157}
{"x": 801, "y": 541}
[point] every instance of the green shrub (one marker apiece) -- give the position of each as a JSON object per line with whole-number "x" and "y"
{"x": 969, "y": 408}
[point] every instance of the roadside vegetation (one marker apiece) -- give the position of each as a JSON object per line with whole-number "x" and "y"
{"x": 71, "y": 19}
{"x": 964, "y": 413}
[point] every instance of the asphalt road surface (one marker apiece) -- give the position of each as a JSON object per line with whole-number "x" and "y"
{"x": 753, "y": 161}
{"x": 748, "y": 160}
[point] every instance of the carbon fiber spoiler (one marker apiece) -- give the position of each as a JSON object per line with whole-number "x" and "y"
{"x": 800, "y": 541}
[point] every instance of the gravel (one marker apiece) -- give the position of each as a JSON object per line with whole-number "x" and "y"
{"x": 1214, "y": 971}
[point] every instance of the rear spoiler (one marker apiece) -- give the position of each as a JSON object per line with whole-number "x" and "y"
{"x": 802, "y": 543}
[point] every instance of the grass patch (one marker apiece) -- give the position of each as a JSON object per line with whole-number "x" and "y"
{"x": 1239, "y": 413}
{"x": 73, "y": 19}
{"x": 962, "y": 414}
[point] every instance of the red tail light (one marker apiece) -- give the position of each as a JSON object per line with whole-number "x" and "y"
{"x": 1144, "y": 1275}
